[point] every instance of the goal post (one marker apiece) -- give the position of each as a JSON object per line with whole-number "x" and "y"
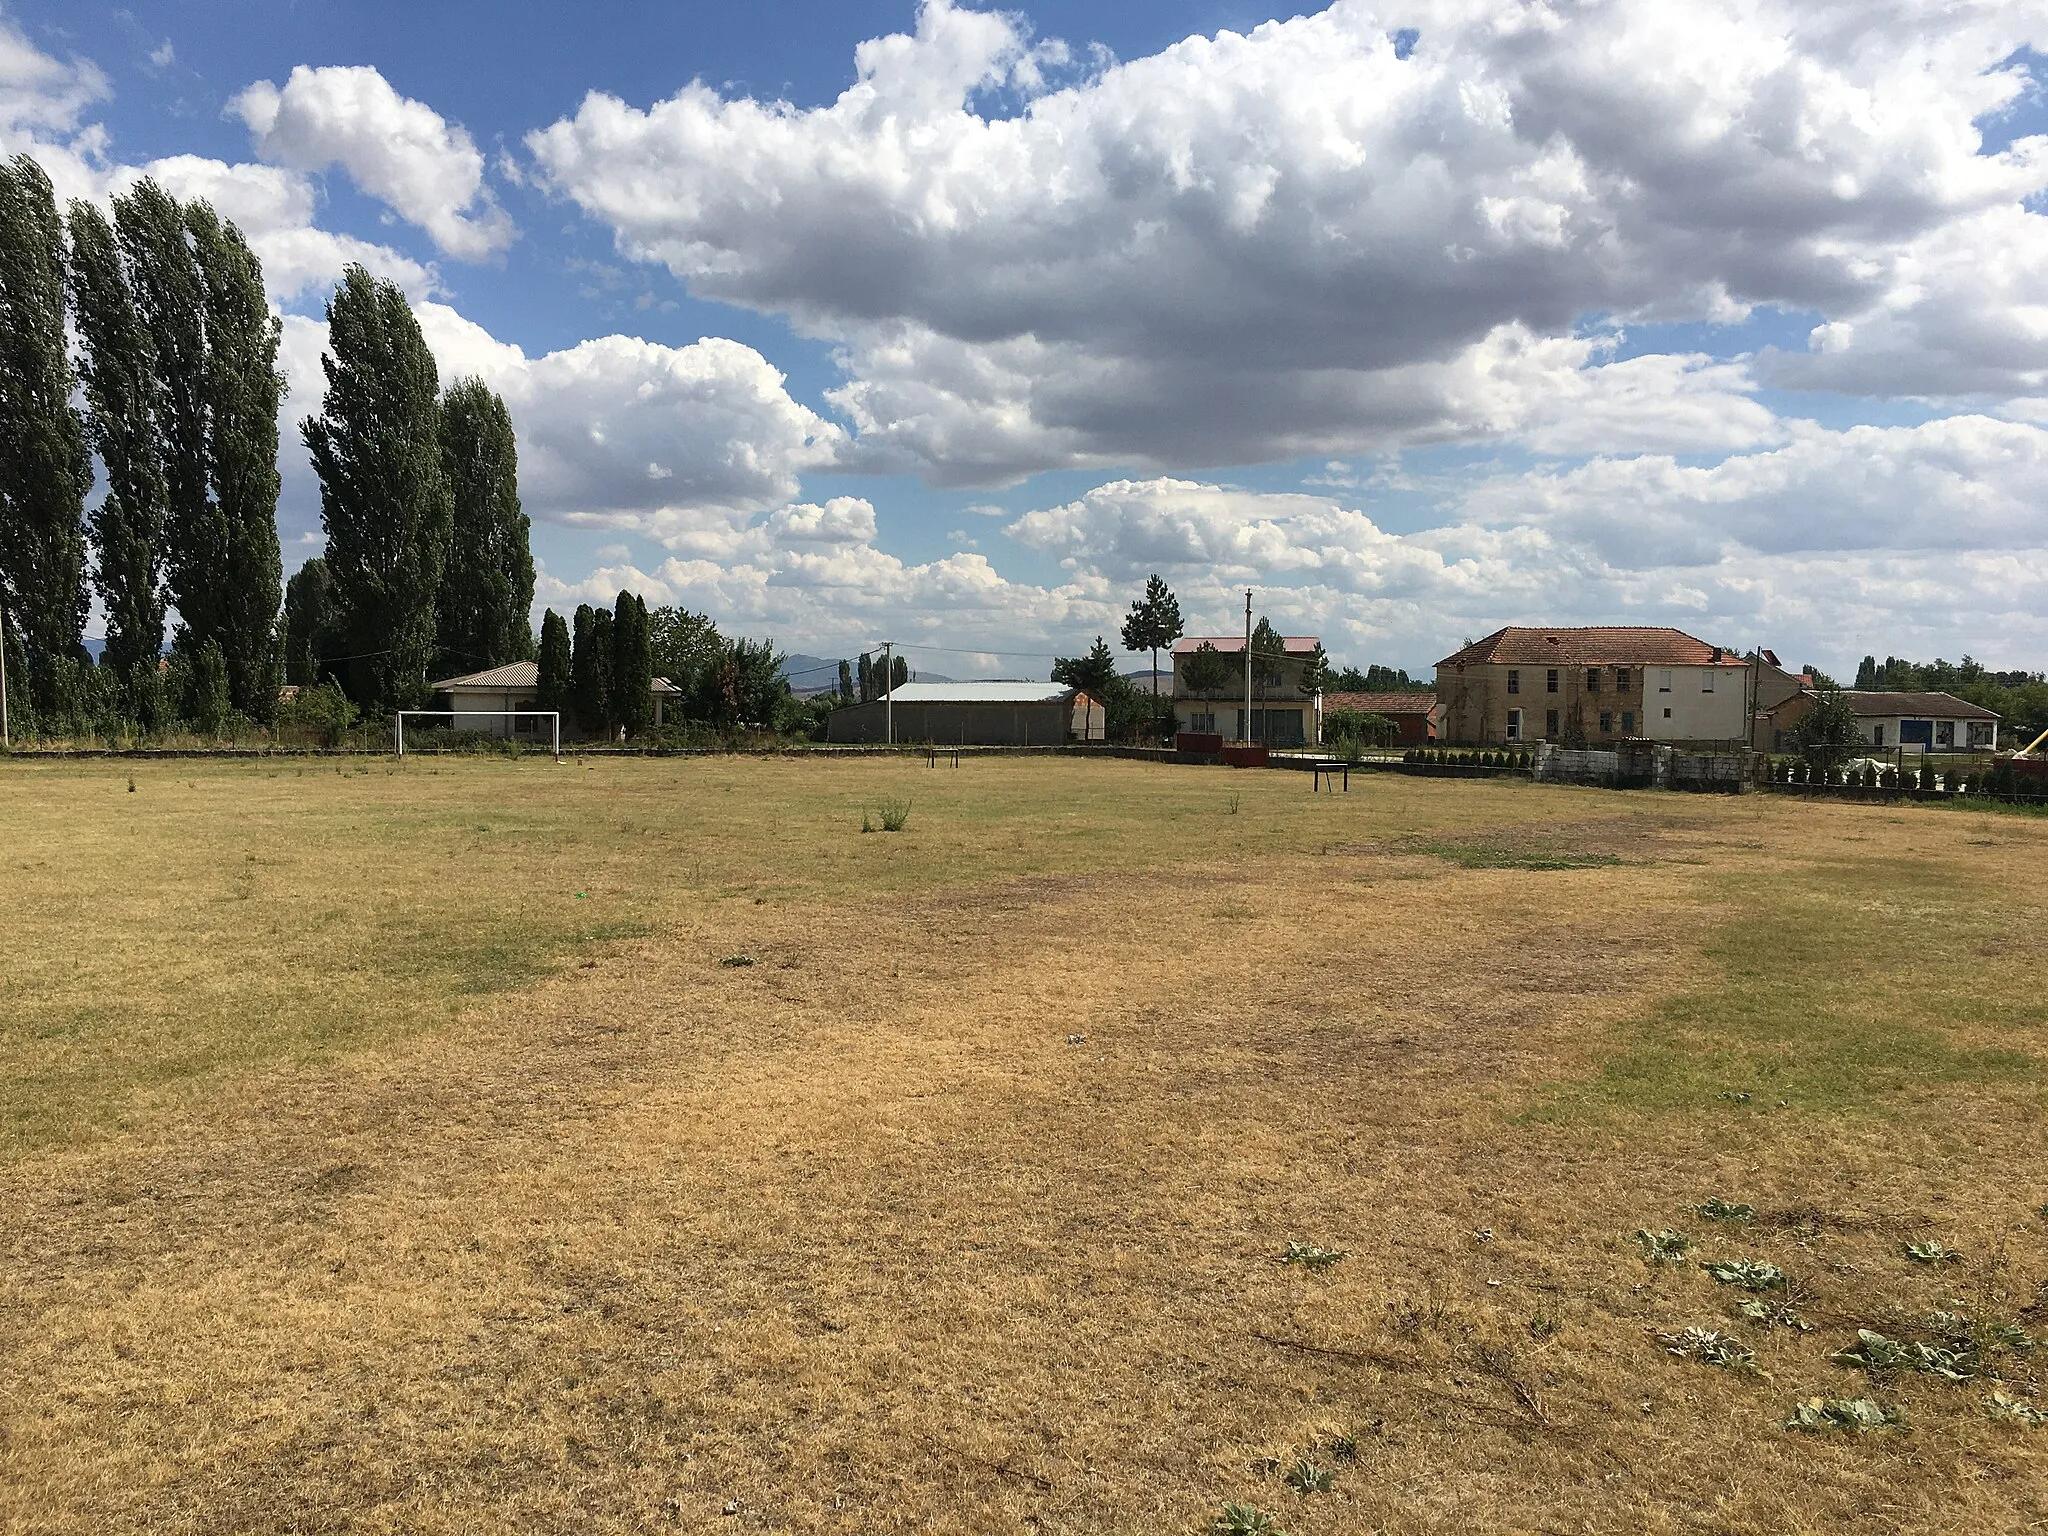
{"x": 553, "y": 717}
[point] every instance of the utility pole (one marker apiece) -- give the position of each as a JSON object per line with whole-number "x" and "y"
{"x": 1245, "y": 734}
{"x": 889, "y": 691}
{"x": 6, "y": 741}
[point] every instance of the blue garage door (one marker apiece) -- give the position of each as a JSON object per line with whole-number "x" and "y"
{"x": 1916, "y": 732}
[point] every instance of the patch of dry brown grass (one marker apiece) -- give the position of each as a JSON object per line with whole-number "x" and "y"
{"x": 855, "y": 1239}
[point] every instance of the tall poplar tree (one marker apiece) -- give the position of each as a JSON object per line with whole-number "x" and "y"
{"x": 118, "y": 369}
{"x": 486, "y": 592}
{"x": 555, "y": 687}
{"x": 590, "y": 669}
{"x": 632, "y": 665}
{"x": 384, "y": 501}
{"x": 170, "y": 303}
{"x": 241, "y": 389}
{"x": 45, "y": 466}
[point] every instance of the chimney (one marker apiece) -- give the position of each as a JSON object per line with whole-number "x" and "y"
{"x": 1717, "y": 655}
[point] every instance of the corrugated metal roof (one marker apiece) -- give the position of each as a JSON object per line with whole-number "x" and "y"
{"x": 981, "y": 693}
{"x": 1870, "y": 704}
{"x": 514, "y": 674}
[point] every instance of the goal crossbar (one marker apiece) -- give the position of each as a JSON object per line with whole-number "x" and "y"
{"x": 554, "y": 717}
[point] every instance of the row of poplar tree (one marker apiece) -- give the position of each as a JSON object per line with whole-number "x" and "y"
{"x": 427, "y": 561}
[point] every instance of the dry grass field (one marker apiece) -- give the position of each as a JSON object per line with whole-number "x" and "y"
{"x": 407, "y": 1150}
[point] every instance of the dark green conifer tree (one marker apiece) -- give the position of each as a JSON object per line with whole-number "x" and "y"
{"x": 632, "y": 665}
{"x": 486, "y": 594}
{"x": 45, "y": 465}
{"x": 556, "y": 687}
{"x": 590, "y": 666}
{"x": 118, "y": 370}
{"x": 384, "y": 501}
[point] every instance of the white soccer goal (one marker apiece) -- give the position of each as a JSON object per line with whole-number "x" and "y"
{"x": 553, "y": 717}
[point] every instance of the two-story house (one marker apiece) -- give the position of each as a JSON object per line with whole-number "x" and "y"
{"x": 1592, "y": 687}
{"x": 1214, "y": 705}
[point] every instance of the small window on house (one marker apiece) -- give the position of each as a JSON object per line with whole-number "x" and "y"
{"x": 1944, "y": 733}
{"x": 1628, "y": 722}
{"x": 1550, "y": 725}
{"x": 1707, "y": 681}
{"x": 1663, "y": 679}
{"x": 1877, "y": 735}
{"x": 1606, "y": 723}
{"x": 1514, "y": 682}
{"x": 1550, "y": 681}
{"x": 1621, "y": 679}
{"x": 1592, "y": 679}
{"x": 1514, "y": 725}
{"x": 1667, "y": 714}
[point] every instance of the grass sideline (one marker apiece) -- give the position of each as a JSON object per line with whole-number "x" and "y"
{"x": 399, "y": 1149}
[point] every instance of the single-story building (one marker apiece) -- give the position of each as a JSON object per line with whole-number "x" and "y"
{"x": 1918, "y": 722}
{"x": 516, "y": 686}
{"x": 1413, "y": 714}
{"x": 1281, "y": 714}
{"x": 992, "y": 714}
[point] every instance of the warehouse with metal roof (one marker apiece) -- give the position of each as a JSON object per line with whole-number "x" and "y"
{"x": 990, "y": 714}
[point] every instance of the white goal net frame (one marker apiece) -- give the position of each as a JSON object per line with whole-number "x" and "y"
{"x": 552, "y": 715}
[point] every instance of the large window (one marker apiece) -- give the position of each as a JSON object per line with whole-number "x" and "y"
{"x": 1981, "y": 732}
{"x": 1663, "y": 679}
{"x": 1592, "y": 679}
{"x": 1550, "y": 725}
{"x": 1514, "y": 681}
{"x": 1203, "y": 724}
{"x": 1606, "y": 723}
{"x": 1628, "y": 722}
{"x": 1514, "y": 725}
{"x": 1621, "y": 679}
{"x": 1550, "y": 681}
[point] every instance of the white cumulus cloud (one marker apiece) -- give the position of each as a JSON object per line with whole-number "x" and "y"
{"x": 426, "y": 169}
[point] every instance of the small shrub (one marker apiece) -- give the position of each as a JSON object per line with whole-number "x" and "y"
{"x": 1311, "y": 1256}
{"x": 1709, "y": 1348}
{"x": 1750, "y": 1274}
{"x": 1544, "y": 1325}
{"x": 1817, "y": 1415}
{"x": 1714, "y": 1208}
{"x": 895, "y": 815}
{"x": 2001, "y": 1406}
{"x": 1666, "y": 1247}
{"x": 1872, "y": 1351}
{"x": 1305, "y": 1478}
{"x": 736, "y": 962}
{"x": 1245, "y": 1520}
{"x": 1767, "y": 1313}
{"x": 1931, "y": 1252}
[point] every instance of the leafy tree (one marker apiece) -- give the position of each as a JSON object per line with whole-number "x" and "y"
{"x": 322, "y": 711}
{"x": 590, "y": 669}
{"x": 632, "y": 665}
{"x": 45, "y": 466}
{"x": 1829, "y": 730}
{"x": 899, "y": 672}
{"x": 866, "y": 680}
{"x": 383, "y": 498}
{"x": 1269, "y": 649}
{"x": 309, "y": 625}
{"x": 1094, "y": 673}
{"x": 486, "y": 596}
{"x": 745, "y": 687}
{"x": 241, "y": 389}
{"x": 555, "y": 688}
{"x": 207, "y": 705}
{"x": 685, "y": 645}
{"x": 118, "y": 370}
{"x": 1205, "y": 671}
{"x": 1153, "y": 623}
{"x": 1315, "y": 677}
{"x": 845, "y": 683}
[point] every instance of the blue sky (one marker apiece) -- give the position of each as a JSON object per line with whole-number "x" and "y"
{"x": 862, "y": 321}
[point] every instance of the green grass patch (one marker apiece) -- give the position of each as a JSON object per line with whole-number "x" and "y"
{"x": 1486, "y": 856}
{"x": 1853, "y": 986}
